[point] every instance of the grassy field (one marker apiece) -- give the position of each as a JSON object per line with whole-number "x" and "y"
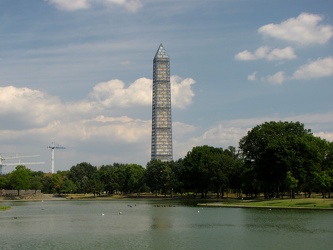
{"x": 307, "y": 203}
{"x": 3, "y": 208}
{"x": 313, "y": 203}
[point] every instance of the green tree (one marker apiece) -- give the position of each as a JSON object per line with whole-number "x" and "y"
{"x": 312, "y": 151}
{"x": 324, "y": 182}
{"x": 324, "y": 179}
{"x": 3, "y": 181}
{"x": 328, "y": 159}
{"x": 134, "y": 175}
{"x": 177, "y": 186}
{"x": 160, "y": 177}
{"x": 291, "y": 183}
{"x": 272, "y": 149}
{"x": 167, "y": 178}
{"x": 223, "y": 164}
{"x": 196, "y": 172}
{"x": 36, "y": 183}
{"x": 153, "y": 176}
{"x": 250, "y": 185}
{"x": 81, "y": 175}
{"x": 57, "y": 180}
{"x": 67, "y": 186}
{"x": 95, "y": 184}
{"x": 207, "y": 168}
{"x": 20, "y": 178}
{"x": 48, "y": 185}
{"x": 108, "y": 177}
{"x": 236, "y": 171}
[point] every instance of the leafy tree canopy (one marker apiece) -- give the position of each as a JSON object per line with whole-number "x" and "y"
{"x": 272, "y": 149}
{"x": 20, "y": 178}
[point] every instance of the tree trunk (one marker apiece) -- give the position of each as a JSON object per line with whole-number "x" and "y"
{"x": 309, "y": 194}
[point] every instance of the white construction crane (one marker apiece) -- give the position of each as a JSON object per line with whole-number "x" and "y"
{"x": 53, "y": 147}
{"x": 3, "y": 160}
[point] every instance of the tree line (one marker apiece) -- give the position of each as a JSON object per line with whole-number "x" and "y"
{"x": 274, "y": 159}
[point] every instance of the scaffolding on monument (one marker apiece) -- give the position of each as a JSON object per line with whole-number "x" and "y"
{"x": 161, "y": 108}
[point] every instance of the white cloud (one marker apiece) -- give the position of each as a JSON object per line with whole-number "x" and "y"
{"x": 24, "y": 108}
{"x": 252, "y": 77}
{"x": 316, "y": 69}
{"x": 262, "y": 52}
{"x": 225, "y": 136}
{"x": 130, "y": 5}
{"x": 181, "y": 92}
{"x": 115, "y": 94}
{"x": 324, "y": 135}
{"x": 102, "y": 128}
{"x": 281, "y": 54}
{"x": 70, "y": 5}
{"x": 73, "y": 5}
{"x": 277, "y": 78}
{"x": 304, "y": 29}
{"x": 267, "y": 53}
{"x": 33, "y": 106}
{"x": 31, "y": 115}
{"x": 245, "y": 55}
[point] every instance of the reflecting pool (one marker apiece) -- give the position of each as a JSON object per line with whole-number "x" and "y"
{"x": 150, "y": 224}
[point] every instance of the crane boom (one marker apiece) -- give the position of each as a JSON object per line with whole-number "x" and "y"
{"x": 53, "y": 147}
{"x": 3, "y": 159}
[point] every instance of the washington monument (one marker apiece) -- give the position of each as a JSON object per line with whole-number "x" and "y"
{"x": 161, "y": 139}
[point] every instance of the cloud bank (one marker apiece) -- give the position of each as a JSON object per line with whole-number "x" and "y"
{"x": 316, "y": 69}
{"x": 267, "y": 53}
{"x": 88, "y": 125}
{"x": 114, "y": 93}
{"x": 28, "y": 109}
{"x": 306, "y": 29}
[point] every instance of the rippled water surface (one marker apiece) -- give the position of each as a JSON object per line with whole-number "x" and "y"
{"x": 141, "y": 224}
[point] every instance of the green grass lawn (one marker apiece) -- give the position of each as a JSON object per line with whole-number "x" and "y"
{"x": 283, "y": 203}
{"x": 2, "y": 208}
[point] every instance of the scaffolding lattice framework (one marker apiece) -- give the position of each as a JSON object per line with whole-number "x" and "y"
{"x": 161, "y": 142}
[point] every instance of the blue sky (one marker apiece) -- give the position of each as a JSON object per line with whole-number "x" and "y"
{"x": 79, "y": 73}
